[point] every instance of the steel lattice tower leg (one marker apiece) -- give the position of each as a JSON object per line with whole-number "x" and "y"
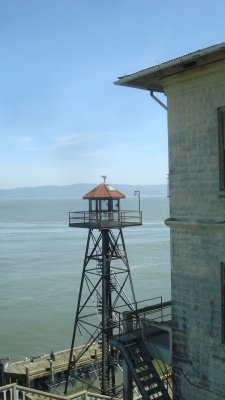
{"x": 105, "y": 276}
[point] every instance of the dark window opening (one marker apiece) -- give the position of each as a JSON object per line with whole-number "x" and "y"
{"x": 223, "y": 301}
{"x": 221, "y": 126}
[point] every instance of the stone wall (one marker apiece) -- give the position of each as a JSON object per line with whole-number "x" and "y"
{"x": 197, "y": 222}
{"x": 193, "y": 142}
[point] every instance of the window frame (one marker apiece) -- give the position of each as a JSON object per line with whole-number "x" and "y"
{"x": 104, "y": 205}
{"x": 222, "y": 302}
{"x": 221, "y": 146}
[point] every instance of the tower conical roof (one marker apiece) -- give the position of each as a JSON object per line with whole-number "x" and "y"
{"x": 104, "y": 191}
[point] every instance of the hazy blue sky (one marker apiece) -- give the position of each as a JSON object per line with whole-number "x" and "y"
{"x": 62, "y": 120}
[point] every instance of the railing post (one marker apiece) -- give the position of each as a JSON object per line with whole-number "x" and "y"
{"x": 14, "y": 392}
{"x": 27, "y": 377}
{"x": 161, "y": 311}
{"x": 52, "y": 371}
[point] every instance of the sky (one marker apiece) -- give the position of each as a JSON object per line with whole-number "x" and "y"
{"x": 62, "y": 120}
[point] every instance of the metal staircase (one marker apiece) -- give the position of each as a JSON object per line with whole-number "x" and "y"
{"x": 143, "y": 338}
{"x": 142, "y": 369}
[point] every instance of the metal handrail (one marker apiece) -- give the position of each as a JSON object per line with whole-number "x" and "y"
{"x": 102, "y": 217}
{"x": 136, "y": 315}
{"x": 158, "y": 357}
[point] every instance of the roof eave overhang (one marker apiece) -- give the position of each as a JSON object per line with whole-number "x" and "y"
{"x": 151, "y": 78}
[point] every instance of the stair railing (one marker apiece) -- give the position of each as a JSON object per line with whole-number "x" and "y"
{"x": 163, "y": 371}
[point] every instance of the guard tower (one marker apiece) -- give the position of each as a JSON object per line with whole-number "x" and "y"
{"x": 106, "y": 284}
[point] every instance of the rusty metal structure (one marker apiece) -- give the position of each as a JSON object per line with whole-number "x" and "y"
{"x": 105, "y": 286}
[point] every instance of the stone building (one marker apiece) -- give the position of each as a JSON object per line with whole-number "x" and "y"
{"x": 195, "y": 88}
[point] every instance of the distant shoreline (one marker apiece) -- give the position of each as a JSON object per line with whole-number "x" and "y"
{"x": 70, "y": 198}
{"x": 77, "y": 191}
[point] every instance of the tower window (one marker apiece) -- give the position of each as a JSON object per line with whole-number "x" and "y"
{"x": 104, "y": 205}
{"x": 223, "y": 301}
{"x": 221, "y": 126}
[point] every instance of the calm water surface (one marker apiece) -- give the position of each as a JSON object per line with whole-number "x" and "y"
{"x": 40, "y": 268}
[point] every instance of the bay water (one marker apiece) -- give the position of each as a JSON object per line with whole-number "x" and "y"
{"x": 41, "y": 262}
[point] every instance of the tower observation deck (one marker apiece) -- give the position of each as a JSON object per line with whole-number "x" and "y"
{"x": 106, "y": 284}
{"x": 104, "y": 211}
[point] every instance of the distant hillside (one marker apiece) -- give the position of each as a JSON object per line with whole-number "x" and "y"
{"x": 76, "y": 190}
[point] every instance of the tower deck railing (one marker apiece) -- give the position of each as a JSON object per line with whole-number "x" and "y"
{"x": 105, "y": 219}
{"x": 16, "y": 392}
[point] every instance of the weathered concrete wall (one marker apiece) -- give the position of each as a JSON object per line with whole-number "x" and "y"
{"x": 197, "y": 232}
{"x": 198, "y": 355}
{"x": 193, "y": 143}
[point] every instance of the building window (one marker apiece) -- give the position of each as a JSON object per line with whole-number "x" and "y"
{"x": 221, "y": 125}
{"x": 223, "y": 300}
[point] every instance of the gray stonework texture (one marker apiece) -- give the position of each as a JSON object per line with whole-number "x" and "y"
{"x": 197, "y": 223}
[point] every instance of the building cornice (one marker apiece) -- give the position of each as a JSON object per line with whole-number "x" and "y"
{"x": 151, "y": 78}
{"x": 194, "y": 224}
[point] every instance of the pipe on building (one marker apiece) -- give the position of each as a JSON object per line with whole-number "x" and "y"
{"x": 157, "y": 100}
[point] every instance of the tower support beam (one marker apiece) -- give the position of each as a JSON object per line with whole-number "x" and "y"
{"x": 105, "y": 279}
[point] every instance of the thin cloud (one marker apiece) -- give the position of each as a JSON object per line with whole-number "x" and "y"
{"x": 15, "y": 140}
{"x": 74, "y": 139}
{"x": 24, "y": 139}
{"x": 120, "y": 148}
